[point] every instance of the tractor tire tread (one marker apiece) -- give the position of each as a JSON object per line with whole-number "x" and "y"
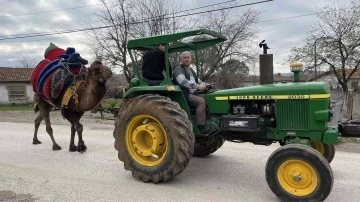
{"x": 179, "y": 132}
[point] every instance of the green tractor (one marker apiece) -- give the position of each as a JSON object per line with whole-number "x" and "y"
{"x": 156, "y": 135}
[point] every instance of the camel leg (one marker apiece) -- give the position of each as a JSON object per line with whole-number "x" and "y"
{"x": 81, "y": 144}
{"x": 73, "y": 118}
{"x": 37, "y": 124}
{"x": 81, "y": 147}
{"x": 45, "y": 113}
{"x": 72, "y": 147}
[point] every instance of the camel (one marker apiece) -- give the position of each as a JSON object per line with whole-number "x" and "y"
{"x": 89, "y": 94}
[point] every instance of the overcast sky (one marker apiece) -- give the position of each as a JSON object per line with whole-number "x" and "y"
{"x": 280, "y": 35}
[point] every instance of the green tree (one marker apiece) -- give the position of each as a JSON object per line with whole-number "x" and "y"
{"x": 231, "y": 74}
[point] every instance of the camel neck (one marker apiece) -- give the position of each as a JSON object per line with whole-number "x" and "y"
{"x": 90, "y": 94}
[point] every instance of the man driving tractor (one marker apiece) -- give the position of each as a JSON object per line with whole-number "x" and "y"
{"x": 186, "y": 78}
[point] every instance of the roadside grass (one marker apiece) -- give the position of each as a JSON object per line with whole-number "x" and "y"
{"x": 22, "y": 107}
{"x": 111, "y": 102}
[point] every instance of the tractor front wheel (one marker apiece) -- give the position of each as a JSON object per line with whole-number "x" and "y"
{"x": 154, "y": 138}
{"x": 297, "y": 172}
{"x": 328, "y": 151}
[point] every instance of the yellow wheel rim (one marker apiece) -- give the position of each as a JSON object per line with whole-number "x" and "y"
{"x": 297, "y": 177}
{"x": 146, "y": 140}
{"x": 319, "y": 146}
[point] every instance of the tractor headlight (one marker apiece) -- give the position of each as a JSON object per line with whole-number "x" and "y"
{"x": 296, "y": 67}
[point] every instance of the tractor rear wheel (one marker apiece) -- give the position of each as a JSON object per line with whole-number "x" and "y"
{"x": 154, "y": 138}
{"x": 205, "y": 150}
{"x": 297, "y": 172}
{"x": 328, "y": 151}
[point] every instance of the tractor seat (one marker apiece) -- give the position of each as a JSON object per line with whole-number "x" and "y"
{"x": 151, "y": 82}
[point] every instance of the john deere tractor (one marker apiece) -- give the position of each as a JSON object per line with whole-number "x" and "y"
{"x": 156, "y": 135}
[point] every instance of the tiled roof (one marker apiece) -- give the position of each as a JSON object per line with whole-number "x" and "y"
{"x": 11, "y": 74}
{"x": 276, "y": 77}
{"x": 356, "y": 74}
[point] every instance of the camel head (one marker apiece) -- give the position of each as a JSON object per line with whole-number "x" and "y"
{"x": 99, "y": 72}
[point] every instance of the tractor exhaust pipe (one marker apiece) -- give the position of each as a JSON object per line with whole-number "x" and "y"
{"x": 266, "y": 65}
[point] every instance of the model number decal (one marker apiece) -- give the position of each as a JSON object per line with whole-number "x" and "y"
{"x": 297, "y": 96}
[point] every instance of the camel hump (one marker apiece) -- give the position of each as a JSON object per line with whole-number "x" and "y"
{"x": 36, "y": 72}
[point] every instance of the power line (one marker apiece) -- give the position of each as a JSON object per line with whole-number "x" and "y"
{"x": 155, "y": 17}
{"x": 136, "y": 22}
{"x": 276, "y": 19}
{"x": 304, "y": 15}
{"x": 202, "y": 7}
{"x": 64, "y": 9}
{"x": 41, "y": 12}
{"x": 41, "y": 39}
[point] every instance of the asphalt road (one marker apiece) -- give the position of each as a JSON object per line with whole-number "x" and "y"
{"x": 234, "y": 173}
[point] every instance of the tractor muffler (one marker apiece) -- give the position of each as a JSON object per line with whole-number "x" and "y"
{"x": 266, "y": 65}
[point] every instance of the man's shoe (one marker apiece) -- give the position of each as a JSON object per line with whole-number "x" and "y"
{"x": 202, "y": 128}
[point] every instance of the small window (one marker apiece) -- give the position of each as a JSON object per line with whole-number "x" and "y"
{"x": 16, "y": 93}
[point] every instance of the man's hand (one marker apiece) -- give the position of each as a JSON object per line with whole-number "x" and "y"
{"x": 201, "y": 87}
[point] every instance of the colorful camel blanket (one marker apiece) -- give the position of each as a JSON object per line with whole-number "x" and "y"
{"x": 62, "y": 79}
{"x": 58, "y": 71}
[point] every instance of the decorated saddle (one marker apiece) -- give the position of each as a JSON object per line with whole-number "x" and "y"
{"x": 60, "y": 71}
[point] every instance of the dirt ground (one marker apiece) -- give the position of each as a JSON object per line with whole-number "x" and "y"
{"x": 94, "y": 120}
{"x": 9, "y": 196}
{"x": 55, "y": 117}
{"x": 32, "y": 173}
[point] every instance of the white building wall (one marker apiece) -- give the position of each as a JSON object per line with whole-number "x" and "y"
{"x": 4, "y": 97}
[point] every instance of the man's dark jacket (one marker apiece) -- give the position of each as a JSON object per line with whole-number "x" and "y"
{"x": 154, "y": 64}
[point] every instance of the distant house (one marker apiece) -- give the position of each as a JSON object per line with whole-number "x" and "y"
{"x": 15, "y": 86}
{"x": 252, "y": 80}
{"x": 330, "y": 78}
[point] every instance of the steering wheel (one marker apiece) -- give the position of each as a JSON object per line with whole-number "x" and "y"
{"x": 211, "y": 85}
{"x": 207, "y": 88}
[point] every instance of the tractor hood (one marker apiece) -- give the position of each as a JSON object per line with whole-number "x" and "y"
{"x": 296, "y": 90}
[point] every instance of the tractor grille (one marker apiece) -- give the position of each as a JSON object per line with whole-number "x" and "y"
{"x": 292, "y": 114}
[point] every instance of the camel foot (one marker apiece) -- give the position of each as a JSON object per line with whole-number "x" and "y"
{"x": 81, "y": 147}
{"x": 56, "y": 147}
{"x": 36, "y": 141}
{"x": 72, "y": 148}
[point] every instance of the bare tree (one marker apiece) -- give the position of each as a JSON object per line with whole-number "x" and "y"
{"x": 27, "y": 61}
{"x": 238, "y": 27}
{"x": 336, "y": 38}
{"x": 127, "y": 19}
{"x": 110, "y": 44}
{"x": 231, "y": 74}
{"x": 157, "y": 17}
